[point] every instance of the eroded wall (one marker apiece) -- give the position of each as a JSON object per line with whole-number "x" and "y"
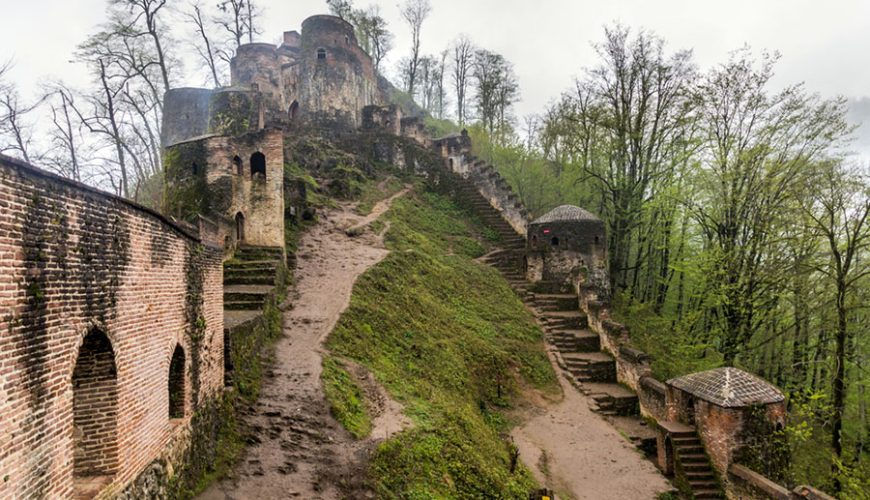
{"x": 74, "y": 260}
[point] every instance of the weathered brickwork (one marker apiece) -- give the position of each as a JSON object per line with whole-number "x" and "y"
{"x": 96, "y": 294}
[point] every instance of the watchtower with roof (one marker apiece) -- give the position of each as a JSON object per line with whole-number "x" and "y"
{"x": 567, "y": 245}
{"x": 730, "y": 408}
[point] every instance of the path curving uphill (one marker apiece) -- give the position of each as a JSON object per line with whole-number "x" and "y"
{"x": 297, "y": 450}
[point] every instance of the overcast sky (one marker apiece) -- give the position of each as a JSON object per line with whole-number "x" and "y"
{"x": 824, "y": 43}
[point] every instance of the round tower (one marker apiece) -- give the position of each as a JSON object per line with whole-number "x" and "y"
{"x": 336, "y": 77}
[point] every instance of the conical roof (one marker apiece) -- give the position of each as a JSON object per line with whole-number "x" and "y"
{"x": 565, "y": 213}
{"x": 728, "y": 387}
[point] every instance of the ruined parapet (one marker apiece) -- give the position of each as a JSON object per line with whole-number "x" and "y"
{"x": 193, "y": 112}
{"x": 456, "y": 150}
{"x": 239, "y": 178}
{"x": 567, "y": 245}
{"x": 383, "y": 118}
{"x": 259, "y": 65}
{"x": 414, "y": 128}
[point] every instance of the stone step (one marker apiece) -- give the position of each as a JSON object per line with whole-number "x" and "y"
{"x": 700, "y": 475}
{"x": 243, "y": 305}
{"x": 564, "y": 301}
{"x": 613, "y": 397}
{"x": 246, "y": 252}
{"x": 247, "y": 293}
{"x": 703, "y": 485}
{"x": 576, "y": 340}
{"x": 694, "y": 458}
{"x": 271, "y": 265}
{"x": 707, "y": 494}
{"x": 690, "y": 449}
{"x": 249, "y": 279}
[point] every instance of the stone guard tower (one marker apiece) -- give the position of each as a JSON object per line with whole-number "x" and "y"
{"x": 567, "y": 245}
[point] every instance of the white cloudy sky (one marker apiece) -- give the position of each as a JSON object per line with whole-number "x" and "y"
{"x": 824, "y": 43}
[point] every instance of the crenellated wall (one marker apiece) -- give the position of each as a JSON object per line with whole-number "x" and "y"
{"x": 97, "y": 294}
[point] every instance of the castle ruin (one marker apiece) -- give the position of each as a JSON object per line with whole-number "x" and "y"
{"x": 115, "y": 317}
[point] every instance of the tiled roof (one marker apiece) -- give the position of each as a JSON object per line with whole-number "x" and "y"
{"x": 565, "y": 213}
{"x": 728, "y": 387}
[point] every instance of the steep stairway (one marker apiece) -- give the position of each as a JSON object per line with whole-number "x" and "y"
{"x": 692, "y": 462}
{"x": 249, "y": 279}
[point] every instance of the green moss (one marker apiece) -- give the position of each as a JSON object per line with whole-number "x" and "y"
{"x": 345, "y": 398}
{"x": 186, "y": 193}
{"x": 230, "y": 113}
{"x": 449, "y": 339}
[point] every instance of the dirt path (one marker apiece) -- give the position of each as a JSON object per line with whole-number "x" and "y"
{"x": 298, "y": 449}
{"x": 579, "y": 455}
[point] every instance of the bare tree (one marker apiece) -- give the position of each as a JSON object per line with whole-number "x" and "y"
{"x": 64, "y": 157}
{"x": 238, "y": 18}
{"x": 145, "y": 14}
{"x": 414, "y": 12}
{"x": 205, "y": 48}
{"x": 462, "y": 59}
{"x": 16, "y": 134}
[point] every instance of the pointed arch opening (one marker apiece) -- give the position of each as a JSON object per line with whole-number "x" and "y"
{"x": 176, "y": 383}
{"x": 240, "y": 227}
{"x": 293, "y": 111}
{"x": 95, "y": 408}
{"x": 258, "y": 165}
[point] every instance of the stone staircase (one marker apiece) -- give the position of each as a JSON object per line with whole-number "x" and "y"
{"x": 249, "y": 279}
{"x": 694, "y": 464}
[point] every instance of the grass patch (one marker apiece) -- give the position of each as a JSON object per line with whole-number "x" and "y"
{"x": 371, "y": 192}
{"x": 345, "y": 398}
{"x": 450, "y": 340}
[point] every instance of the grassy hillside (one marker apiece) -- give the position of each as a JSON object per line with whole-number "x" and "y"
{"x": 449, "y": 339}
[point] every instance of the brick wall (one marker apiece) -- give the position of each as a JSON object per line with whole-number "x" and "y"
{"x": 95, "y": 295}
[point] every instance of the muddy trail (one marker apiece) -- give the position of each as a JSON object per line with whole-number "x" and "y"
{"x": 296, "y": 448}
{"x": 580, "y": 455}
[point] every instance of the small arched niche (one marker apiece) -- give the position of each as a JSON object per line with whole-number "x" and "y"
{"x": 240, "y": 227}
{"x": 554, "y": 241}
{"x": 237, "y": 165}
{"x": 258, "y": 165}
{"x": 95, "y": 408}
{"x": 176, "y": 383}
{"x": 293, "y": 111}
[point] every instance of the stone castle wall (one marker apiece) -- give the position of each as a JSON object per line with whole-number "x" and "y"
{"x": 97, "y": 292}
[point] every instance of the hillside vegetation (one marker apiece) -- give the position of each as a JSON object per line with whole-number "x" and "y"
{"x": 448, "y": 339}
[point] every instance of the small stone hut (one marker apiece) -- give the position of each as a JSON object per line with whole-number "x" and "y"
{"x": 566, "y": 245}
{"x": 727, "y": 406}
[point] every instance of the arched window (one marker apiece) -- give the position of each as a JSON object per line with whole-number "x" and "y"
{"x": 450, "y": 161}
{"x": 596, "y": 240}
{"x": 95, "y": 408}
{"x": 240, "y": 227}
{"x": 554, "y": 241}
{"x": 195, "y": 168}
{"x": 176, "y": 383}
{"x": 294, "y": 110}
{"x": 237, "y": 165}
{"x": 321, "y": 54}
{"x": 258, "y": 164}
